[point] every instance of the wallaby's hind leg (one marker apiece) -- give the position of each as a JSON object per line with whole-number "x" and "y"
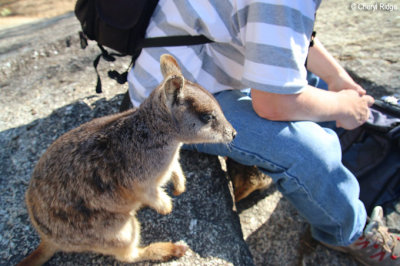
{"x": 159, "y": 251}
{"x": 123, "y": 245}
{"x": 162, "y": 251}
{"x": 39, "y": 256}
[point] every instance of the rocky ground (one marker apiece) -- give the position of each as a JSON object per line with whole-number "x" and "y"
{"x": 47, "y": 87}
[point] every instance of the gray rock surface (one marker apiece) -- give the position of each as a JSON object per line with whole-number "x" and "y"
{"x": 366, "y": 42}
{"x": 47, "y": 87}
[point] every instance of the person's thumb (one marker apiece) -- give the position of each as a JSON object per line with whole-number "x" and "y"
{"x": 370, "y": 100}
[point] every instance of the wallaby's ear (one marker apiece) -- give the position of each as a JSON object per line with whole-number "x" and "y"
{"x": 173, "y": 88}
{"x": 169, "y": 66}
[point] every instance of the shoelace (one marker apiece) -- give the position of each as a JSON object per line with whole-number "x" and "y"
{"x": 387, "y": 241}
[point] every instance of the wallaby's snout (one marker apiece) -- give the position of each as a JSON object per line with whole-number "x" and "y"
{"x": 228, "y": 132}
{"x": 233, "y": 133}
{"x": 195, "y": 112}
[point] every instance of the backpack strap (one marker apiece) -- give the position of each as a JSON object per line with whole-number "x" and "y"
{"x": 180, "y": 40}
{"x": 109, "y": 57}
{"x": 121, "y": 78}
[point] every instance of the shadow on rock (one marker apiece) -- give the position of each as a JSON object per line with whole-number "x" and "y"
{"x": 254, "y": 198}
{"x": 285, "y": 237}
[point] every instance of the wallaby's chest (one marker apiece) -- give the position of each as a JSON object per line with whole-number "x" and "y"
{"x": 160, "y": 163}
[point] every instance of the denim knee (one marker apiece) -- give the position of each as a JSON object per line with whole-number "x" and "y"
{"x": 311, "y": 146}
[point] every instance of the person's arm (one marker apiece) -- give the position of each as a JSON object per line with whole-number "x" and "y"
{"x": 321, "y": 63}
{"x": 346, "y": 107}
{"x": 345, "y": 102}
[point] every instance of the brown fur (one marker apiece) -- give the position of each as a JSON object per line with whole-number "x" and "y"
{"x": 86, "y": 188}
{"x": 246, "y": 179}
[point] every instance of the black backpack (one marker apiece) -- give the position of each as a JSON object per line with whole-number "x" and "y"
{"x": 372, "y": 153}
{"x": 121, "y": 25}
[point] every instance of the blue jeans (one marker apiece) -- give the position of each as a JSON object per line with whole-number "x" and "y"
{"x": 304, "y": 160}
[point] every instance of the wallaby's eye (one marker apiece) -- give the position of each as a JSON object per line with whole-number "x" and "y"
{"x": 206, "y": 117}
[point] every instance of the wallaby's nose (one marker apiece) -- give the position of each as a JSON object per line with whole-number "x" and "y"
{"x": 234, "y": 133}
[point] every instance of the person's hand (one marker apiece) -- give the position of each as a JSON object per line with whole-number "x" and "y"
{"x": 343, "y": 81}
{"x": 354, "y": 108}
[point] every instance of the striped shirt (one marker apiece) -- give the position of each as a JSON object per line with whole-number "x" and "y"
{"x": 257, "y": 44}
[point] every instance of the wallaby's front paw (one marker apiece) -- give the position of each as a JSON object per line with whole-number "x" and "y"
{"x": 166, "y": 210}
{"x": 179, "y": 190}
{"x": 179, "y": 182}
{"x": 164, "y": 204}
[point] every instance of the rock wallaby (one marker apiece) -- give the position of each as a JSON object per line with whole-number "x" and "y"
{"x": 87, "y": 187}
{"x": 246, "y": 179}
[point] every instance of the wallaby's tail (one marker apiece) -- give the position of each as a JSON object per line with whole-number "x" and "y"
{"x": 40, "y": 255}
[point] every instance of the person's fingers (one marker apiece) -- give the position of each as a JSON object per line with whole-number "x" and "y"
{"x": 370, "y": 100}
{"x": 360, "y": 90}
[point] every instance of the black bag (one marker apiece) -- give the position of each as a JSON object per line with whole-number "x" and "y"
{"x": 372, "y": 153}
{"x": 121, "y": 25}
